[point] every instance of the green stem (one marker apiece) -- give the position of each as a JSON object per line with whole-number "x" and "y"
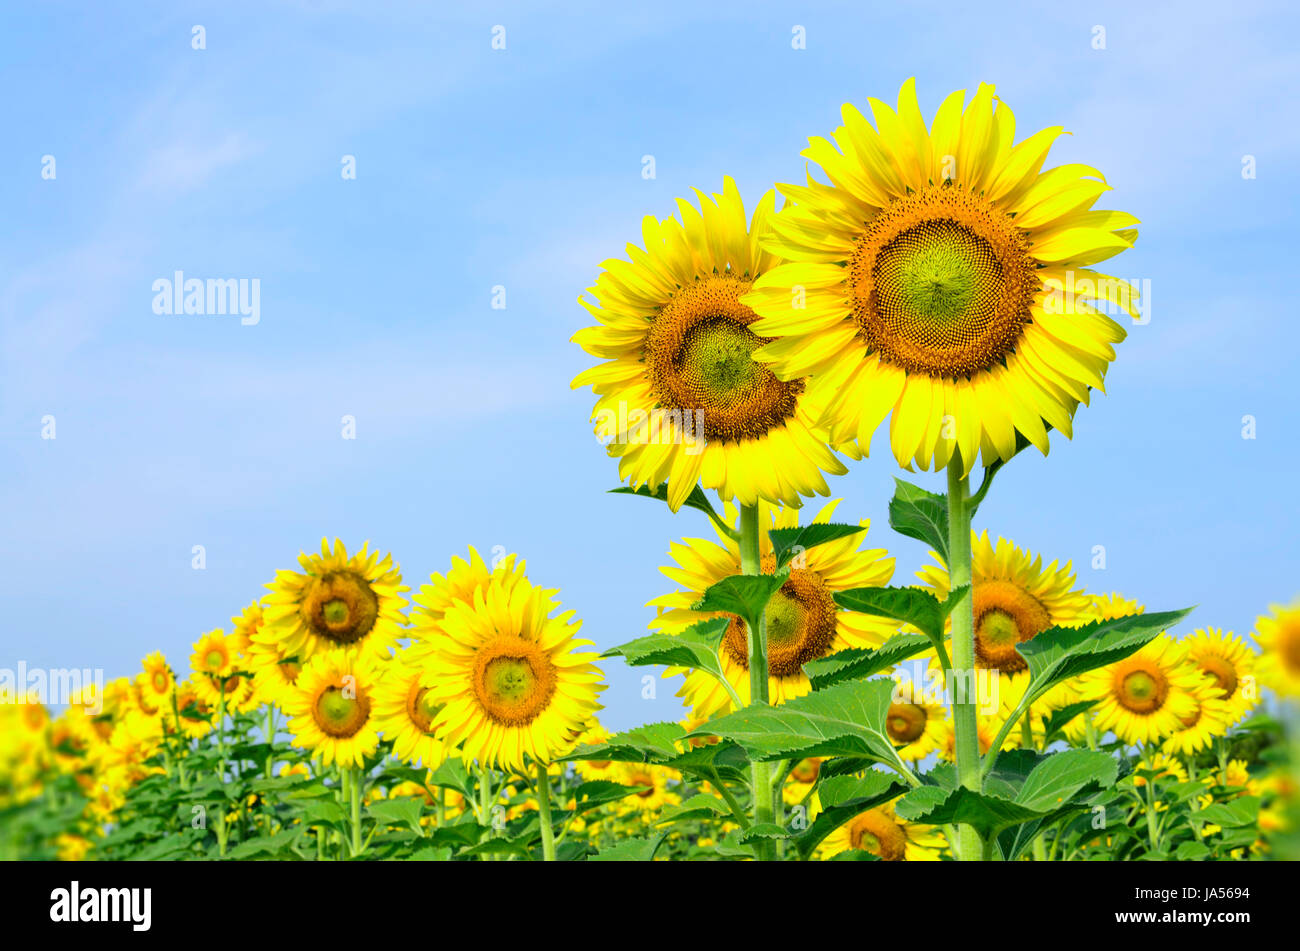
{"x": 544, "y": 811}
{"x": 1027, "y": 742}
{"x": 966, "y": 738}
{"x": 270, "y": 738}
{"x": 355, "y": 801}
{"x": 761, "y": 773}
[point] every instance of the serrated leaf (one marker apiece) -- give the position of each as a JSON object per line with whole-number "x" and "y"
{"x": 920, "y": 514}
{"x": 404, "y": 810}
{"x": 1062, "y": 776}
{"x": 988, "y": 814}
{"x": 596, "y": 792}
{"x": 788, "y": 543}
{"x": 696, "y": 648}
{"x": 652, "y": 743}
{"x": 745, "y": 596}
{"x": 264, "y": 845}
{"x": 764, "y": 830}
{"x": 1060, "y": 653}
{"x": 634, "y": 849}
{"x": 1231, "y": 814}
{"x": 844, "y": 720}
{"x": 858, "y": 663}
{"x": 914, "y": 606}
{"x": 702, "y": 806}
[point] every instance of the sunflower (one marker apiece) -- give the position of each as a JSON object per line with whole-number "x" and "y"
{"x": 914, "y": 722}
{"x": 1014, "y": 599}
{"x": 1230, "y": 663}
{"x": 247, "y": 624}
{"x": 214, "y": 656}
{"x": 943, "y": 277}
{"x": 651, "y": 783}
{"x": 1165, "y": 768}
{"x": 156, "y": 683}
{"x": 1278, "y": 636}
{"x": 404, "y": 713}
{"x": 1211, "y": 717}
{"x": 589, "y": 769}
{"x": 332, "y": 708}
{"x": 803, "y": 622}
{"x": 459, "y": 584}
{"x": 510, "y": 676}
{"x": 336, "y": 603}
{"x": 274, "y": 671}
{"x": 1147, "y": 695}
{"x": 680, "y": 399}
{"x": 882, "y": 833}
{"x": 193, "y": 712}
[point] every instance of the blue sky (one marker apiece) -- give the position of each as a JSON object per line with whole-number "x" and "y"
{"x": 522, "y": 168}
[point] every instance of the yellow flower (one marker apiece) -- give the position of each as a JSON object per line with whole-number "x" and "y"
{"x": 1014, "y": 599}
{"x": 1278, "y": 636}
{"x": 332, "y": 708}
{"x": 803, "y": 622}
{"x": 510, "y": 676}
{"x": 156, "y": 683}
{"x": 336, "y": 603}
{"x": 680, "y": 399}
{"x": 1146, "y": 696}
{"x": 944, "y": 279}
{"x": 1229, "y": 663}
{"x": 882, "y": 833}
{"x": 405, "y": 713}
{"x": 214, "y": 656}
{"x": 460, "y": 584}
{"x": 914, "y": 722}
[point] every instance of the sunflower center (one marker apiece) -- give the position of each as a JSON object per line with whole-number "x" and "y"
{"x": 942, "y": 283}
{"x": 215, "y": 659}
{"x": 800, "y": 626}
{"x": 340, "y": 607}
{"x": 159, "y": 681}
{"x": 420, "y": 707}
{"x": 1143, "y": 690}
{"x": 698, "y": 361}
{"x": 875, "y": 832}
{"x": 1005, "y": 615}
{"x": 1224, "y": 674}
{"x": 514, "y": 680}
{"x": 905, "y": 722}
{"x": 341, "y": 713}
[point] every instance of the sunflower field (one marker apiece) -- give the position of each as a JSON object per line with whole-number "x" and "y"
{"x": 934, "y": 276}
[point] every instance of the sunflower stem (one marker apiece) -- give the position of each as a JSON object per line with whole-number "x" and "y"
{"x": 761, "y": 773}
{"x": 354, "y": 798}
{"x": 270, "y": 739}
{"x": 544, "y": 812}
{"x": 966, "y": 733}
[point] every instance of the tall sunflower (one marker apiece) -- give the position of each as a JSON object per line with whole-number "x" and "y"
{"x": 331, "y": 708}
{"x": 461, "y": 583}
{"x": 336, "y": 603}
{"x": 1278, "y": 636}
{"x": 680, "y": 399}
{"x": 943, "y": 278}
{"x": 803, "y": 622}
{"x": 1147, "y": 695}
{"x": 1015, "y": 598}
{"x": 510, "y": 676}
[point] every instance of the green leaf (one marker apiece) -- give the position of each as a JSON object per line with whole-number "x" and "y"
{"x": 1060, "y": 653}
{"x": 702, "y": 806}
{"x": 844, "y": 720}
{"x": 919, "y": 514}
{"x": 404, "y": 810}
{"x": 764, "y": 830}
{"x": 1057, "y": 720}
{"x": 789, "y": 543}
{"x": 696, "y": 500}
{"x": 1231, "y": 814}
{"x": 1192, "y": 852}
{"x": 264, "y": 845}
{"x": 858, "y": 663}
{"x": 912, "y": 605}
{"x": 743, "y": 595}
{"x": 652, "y": 743}
{"x": 452, "y": 774}
{"x": 1062, "y": 776}
{"x": 695, "y": 648}
{"x": 635, "y": 849}
{"x": 596, "y": 792}
{"x": 324, "y": 812}
{"x": 988, "y": 814}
